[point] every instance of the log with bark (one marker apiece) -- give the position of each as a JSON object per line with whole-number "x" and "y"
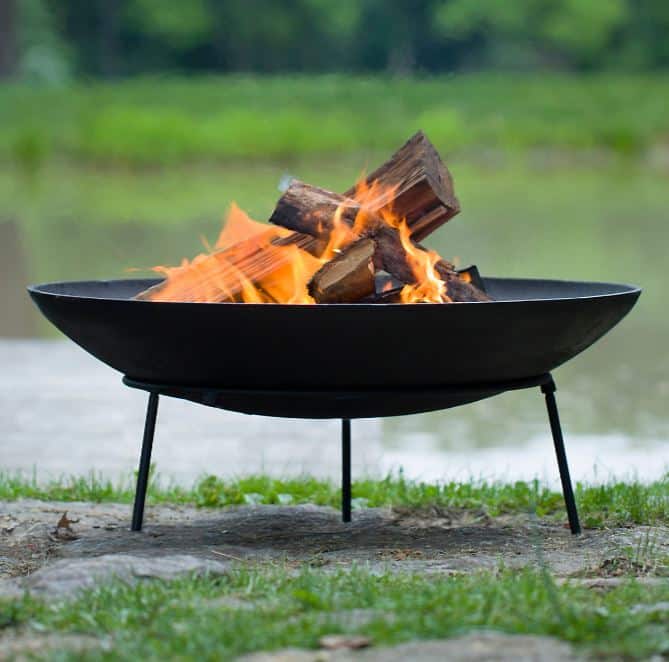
{"x": 413, "y": 184}
{"x": 311, "y": 210}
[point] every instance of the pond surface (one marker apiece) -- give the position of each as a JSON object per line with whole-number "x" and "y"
{"x": 63, "y": 412}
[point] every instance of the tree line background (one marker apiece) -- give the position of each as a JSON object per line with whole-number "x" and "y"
{"x": 60, "y": 39}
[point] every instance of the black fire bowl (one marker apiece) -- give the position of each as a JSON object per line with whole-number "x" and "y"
{"x": 336, "y": 361}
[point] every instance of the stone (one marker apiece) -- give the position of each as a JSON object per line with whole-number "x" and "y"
{"x": 288, "y": 655}
{"x": 657, "y": 608}
{"x": 474, "y": 647}
{"x": 66, "y": 577}
{"x": 28, "y": 645}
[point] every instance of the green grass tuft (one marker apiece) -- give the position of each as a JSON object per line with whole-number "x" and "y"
{"x": 612, "y": 504}
{"x": 205, "y": 618}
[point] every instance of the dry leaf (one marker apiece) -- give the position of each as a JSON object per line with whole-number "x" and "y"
{"x": 64, "y": 530}
{"x": 64, "y": 522}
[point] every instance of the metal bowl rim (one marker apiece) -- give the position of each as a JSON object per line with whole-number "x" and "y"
{"x": 625, "y": 289}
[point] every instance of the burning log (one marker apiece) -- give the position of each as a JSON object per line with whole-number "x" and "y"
{"x": 349, "y": 277}
{"x": 377, "y": 225}
{"x": 413, "y": 184}
{"x": 458, "y": 288}
{"x": 307, "y": 210}
{"x": 416, "y": 185}
{"x": 391, "y": 255}
{"x": 312, "y": 210}
{"x": 346, "y": 278}
{"x": 471, "y": 275}
{"x": 220, "y": 276}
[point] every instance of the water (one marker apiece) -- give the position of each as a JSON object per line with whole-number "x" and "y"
{"x": 63, "y": 412}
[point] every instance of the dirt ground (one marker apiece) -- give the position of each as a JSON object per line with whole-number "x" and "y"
{"x": 57, "y": 549}
{"x": 94, "y": 542}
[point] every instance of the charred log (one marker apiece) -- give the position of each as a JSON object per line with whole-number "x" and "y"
{"x": 393, "y": 295}
{"x": 391, "y": 257}
{"x": 458, "y": 288}
{"x": 471, "y": 275}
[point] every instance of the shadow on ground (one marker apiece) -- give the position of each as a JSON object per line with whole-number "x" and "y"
{"x": 95, "y": 544}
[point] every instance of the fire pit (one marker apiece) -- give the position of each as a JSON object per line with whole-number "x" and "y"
{"x": 465, "y": 353}
{"x": 397, "y": 329}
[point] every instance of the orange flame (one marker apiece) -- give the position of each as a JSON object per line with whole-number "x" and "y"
{"x": 429, "y": 288}
{"x": 341, "y": 235}
{"x": 375, "y": 202}
{"x": 249, "y": 262}
{"x": 242, "y": 267}
{"x": 239, "y": 226}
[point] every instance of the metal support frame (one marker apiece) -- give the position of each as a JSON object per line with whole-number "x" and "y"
{"x": 546, "y": 383}
{"x": 548, "y": 389}
{"x": 145, "y": 462}
{"x": 346, "y": 470}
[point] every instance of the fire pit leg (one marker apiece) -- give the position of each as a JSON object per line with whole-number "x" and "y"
{"x": 548, "y": 389}
{"x": 346, "y": 470}
{"x": 145, "y": 462}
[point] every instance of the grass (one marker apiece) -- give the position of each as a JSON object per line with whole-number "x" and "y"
{"x": 275, "y": 605}
{"x": 610, "y": 504}
{"x": 206, "y": 618}
{"x": 163, "y": 121}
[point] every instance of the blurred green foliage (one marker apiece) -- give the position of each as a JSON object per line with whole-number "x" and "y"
{"x": 568, "y": 33}
{"x": 123, "y": 37}
{"x": 139, "y": 122}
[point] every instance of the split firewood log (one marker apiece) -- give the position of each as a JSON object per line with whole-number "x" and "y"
{"x": 416, "y": 185}
{"x": 346, "y": 278}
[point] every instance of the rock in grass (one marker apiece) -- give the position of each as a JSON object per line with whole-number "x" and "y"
{"x": 474, "y": 647}
{"x": 66, "y": 577}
